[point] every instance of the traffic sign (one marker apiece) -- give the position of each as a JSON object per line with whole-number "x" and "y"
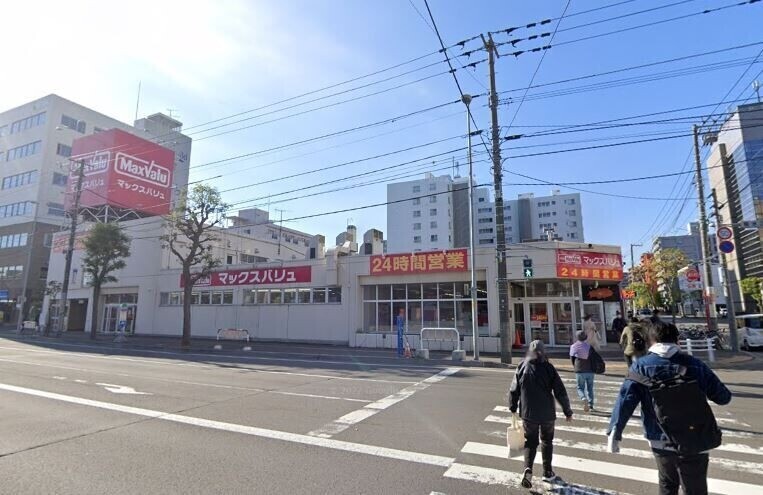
{"x": 528, "y": 273}
{"x": 724, "y": 233}
{"x": 692, "y": 275}
{"x": 726, "y": 247}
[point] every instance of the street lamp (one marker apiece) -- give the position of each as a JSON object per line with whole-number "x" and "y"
{"x": 467, "y": 99}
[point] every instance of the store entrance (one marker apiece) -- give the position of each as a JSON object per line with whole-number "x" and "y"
{"x": 552, "y": 322}
{"x": 111, "y": 317}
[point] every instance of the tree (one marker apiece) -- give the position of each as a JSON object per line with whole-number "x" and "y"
{"x": 51, "y": 290}
{"x": 666, "y": 263}
{"x": 644, "y": 297}
{"x": 191, "y": 237}
{"x": 752, "y": 286}
{"x": 106, "y": 247}
{"x": 644, "y": 282}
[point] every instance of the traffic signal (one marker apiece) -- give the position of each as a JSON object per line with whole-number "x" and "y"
{"x": 528, "y": 273}
{"x": 527, "y": 263}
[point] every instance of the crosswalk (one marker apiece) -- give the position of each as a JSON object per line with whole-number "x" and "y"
{"x": 582, "y": 461}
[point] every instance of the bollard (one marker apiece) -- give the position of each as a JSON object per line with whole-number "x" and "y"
{"x": 710, "y": 350}
{"x": 218, "y": 347}
{"x": 688, "y": 347}
{"x": 247, "y": 348}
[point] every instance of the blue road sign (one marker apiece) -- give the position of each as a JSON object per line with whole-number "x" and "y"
{"x": 726, "y": 247}
{"x": 4, "y": 294}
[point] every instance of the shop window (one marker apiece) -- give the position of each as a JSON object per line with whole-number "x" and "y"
{"x": 430, "y": 291}
{"x": 164, "y": 299}
{"x": 398, "y": 291}
{"x": 447, "y": 314}
{"x": 176, "y": 299}
{"x": 385, "y": 292}
{"x": 369, "y": 316}
{"x": 414, "y": 291}
{"x": 369, "y": 293}
{"x": 414, "y": 315}
{"x": 205, "y": 298}
{"x": 319, "y": 295}
{"x": 290, "y": 296}
{"x": 429, "y": 311}
{"x": 335, "y": 294}
{"x": 446, "y": 290}
{"x": 303, "y": 296}
{"x": 217, "y": 298}
{"x": 276, "y": 297}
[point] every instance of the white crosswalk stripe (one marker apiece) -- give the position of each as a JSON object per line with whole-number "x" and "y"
{"x": 581, "y": 452}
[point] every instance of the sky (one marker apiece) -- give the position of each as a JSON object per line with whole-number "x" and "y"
{"x": 208, "y": 60}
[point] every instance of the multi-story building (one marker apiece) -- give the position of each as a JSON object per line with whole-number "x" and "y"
{"x": 735, "y": 169}
{"x": 527, "y": 218}
{"x": 256, "y": 223}
{"x": 690, "y": 244}
{"x": 35, "y": 146}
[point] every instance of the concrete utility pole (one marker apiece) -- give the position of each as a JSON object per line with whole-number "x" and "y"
{"x": 633, "y": 265}
{"x": 500, "y": 230}
{"x": 467, "y": 99}
{"x": 707, "y": 280}
{"x": 63, "y": 317}
{"x": 280, "y": 229}
{"x": 733, "y": 337}
{"x": 23, "y": 298}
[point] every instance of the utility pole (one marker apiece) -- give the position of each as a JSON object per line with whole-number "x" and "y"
{"x": 707, "y": 281}
{"x": 467, "y": 99}
{"x": 23, "y": 298}
{"x": 280, "y": 229}
{"x": 500, "y": 241}
{"x": 63, "y": 317}
{"x": 633, "y": 265}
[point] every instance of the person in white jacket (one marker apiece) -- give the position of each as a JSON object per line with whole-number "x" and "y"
{"x": 589, "y": 327}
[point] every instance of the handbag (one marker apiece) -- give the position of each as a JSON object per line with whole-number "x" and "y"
{"x": 597, "y": 362}
{"x": 515, "y": 437}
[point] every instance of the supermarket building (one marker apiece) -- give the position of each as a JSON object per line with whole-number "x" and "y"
{"x": 338, "y": 297}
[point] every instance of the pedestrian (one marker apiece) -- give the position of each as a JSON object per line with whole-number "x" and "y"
{"x": 633, "y": 341}
{"x": 589, "y": 327}
{"x": 655, "y": 316}
{"x": 580, "y": 353}
{"x": 618, "y": 324}
{"x": 672, "y": 388}
{"x": 535, "y": 385}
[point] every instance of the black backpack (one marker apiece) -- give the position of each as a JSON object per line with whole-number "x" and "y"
{"x": 597, "y": 362}
{"x": 638, "y": 340}
{"x": 682, "y": 410}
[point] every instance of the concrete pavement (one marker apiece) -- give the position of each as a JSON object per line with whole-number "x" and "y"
{"x": 78, "y": 418}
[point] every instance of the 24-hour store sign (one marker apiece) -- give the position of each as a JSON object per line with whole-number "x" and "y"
{"x": 588, "y": 265}
{"x": 454, "y": 260}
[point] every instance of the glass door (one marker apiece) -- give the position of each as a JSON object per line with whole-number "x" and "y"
{"x": 110, "y": 318}
{"x": 563, "y": 333}
{"x": 596, "y": 310}
{"x": 521, "y": 332}
{"x": 540, "y": 326}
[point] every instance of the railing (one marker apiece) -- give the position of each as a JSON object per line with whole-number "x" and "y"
{"x": 233, "y": 334}
{"x": 699, "y": 345}
{"x": 437, "y": 334}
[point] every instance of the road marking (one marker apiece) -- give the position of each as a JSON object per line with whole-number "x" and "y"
{"x": 80, "y": 381}
{"x": 115, "y": 357}
{"x": 59, "y": 378}
{"x": 389, "y": 453}
{"x": 355, "y": 417}
{"x": 313, "y": 396}
{"x": 502, "y": 452}
{"x": 121, "y": 389}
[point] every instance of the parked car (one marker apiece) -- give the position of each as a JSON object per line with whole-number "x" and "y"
{"x": 750, "y": 331}
{"x": 645, "y": 312}
{"x": 723, "y": 311}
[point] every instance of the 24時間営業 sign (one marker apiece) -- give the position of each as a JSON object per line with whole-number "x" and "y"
{"x": 454, "y": 260}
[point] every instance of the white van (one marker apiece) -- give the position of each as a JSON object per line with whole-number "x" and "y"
{"x": 750, "y": 331}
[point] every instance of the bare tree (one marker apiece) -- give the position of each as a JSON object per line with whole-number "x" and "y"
{"x": 191, "y": 237}
{"x": 106, "y": 247}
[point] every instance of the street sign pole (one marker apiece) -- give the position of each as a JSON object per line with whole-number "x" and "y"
{"x": 724, "y": 231}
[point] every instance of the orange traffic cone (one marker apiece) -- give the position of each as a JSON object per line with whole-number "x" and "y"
{"x": 517, "y": 340}
{"x": 407, "y": 350}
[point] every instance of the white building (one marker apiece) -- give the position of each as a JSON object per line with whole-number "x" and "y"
{"x": 35, "y": 144}
{"x": 255, "y": 223}
{"x": 442, "y": 221}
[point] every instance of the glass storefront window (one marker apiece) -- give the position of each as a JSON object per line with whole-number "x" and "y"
{"x": 397, "y": 306}
{"x": 517, "y": 289}
{"x": 262, "y": 297}
{"x": 275, "y": 297}
{"x": 447, "y": 314}
{"x": 446, "y": 290}
{"x": 539, "y": 325}
{"x": 369, "y": 315}
{"x": 303, "y": 296}
{"x": 319, "y": 295}
{"x": 430, "y": 313}
{"x": 335, "y": 294}
{"x": 414, "y": 316}
{"x": 519, "y": 324}
{"x": 290, "y": 296}
{"x": 204, "y": 298}
{"x": 385, "y": 293}
{"x": 430, "y": 291}
{"x": 217, "y": 298}
{"x": 563, "y": 329}
{"x": 384, "y": 316}
{"x": 482, "y": 318}
{"x": 195, "y": 298}
{"x": 228, "y": 297}
{"x": 481, "y": 289}
{"x": 414, "y": 291}
{"x": 462, "y": 290}
{"x": 398, "y": 292}
{"x": 549, "y": 288}
{"x": 464, "y": 317}
{"x": 369, "y": 293}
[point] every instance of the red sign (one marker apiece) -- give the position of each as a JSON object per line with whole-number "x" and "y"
{"x": 628, "y": 294}
{"x": 60, "y": 241}
{"x": 430, "y": 262}
{"x": 255, "y": 276}
{"x": 122, "y": 171}
{"x": 588, "y": 265}
{"x": 692, "y": 275}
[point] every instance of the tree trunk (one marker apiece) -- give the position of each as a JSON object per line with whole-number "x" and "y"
{"x": 94, "y": 311}
{"x": 187, "y": 292}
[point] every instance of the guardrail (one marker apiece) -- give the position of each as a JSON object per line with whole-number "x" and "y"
{"x": 29, "y": 325}
{"x": 699, "y": 345}
{"x": 438, "y": 334}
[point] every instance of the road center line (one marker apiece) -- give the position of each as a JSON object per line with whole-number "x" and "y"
{"x": 355, "y": 417}
{"x": 403, "y": 455}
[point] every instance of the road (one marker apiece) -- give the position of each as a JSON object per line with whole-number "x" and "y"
{"x": 81, "y": 419}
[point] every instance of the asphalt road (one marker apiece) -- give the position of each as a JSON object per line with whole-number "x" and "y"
{"x": 80, "y": 419}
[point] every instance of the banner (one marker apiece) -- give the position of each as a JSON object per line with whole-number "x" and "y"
{"x": 588, "y": 265}
{"x": 256, "y": 276}
{"x": 454, "y": 260}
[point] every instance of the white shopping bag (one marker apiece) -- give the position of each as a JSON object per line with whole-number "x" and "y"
{"x": 515, "y": 437}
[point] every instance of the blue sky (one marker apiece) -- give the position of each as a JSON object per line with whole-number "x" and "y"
{"x": 210, "y": 59}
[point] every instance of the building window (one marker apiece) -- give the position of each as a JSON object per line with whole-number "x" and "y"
{"x": 24, "y": 150}
{"x": 416, "y": 189}
{"x": 3, "y": 130}
{"x": 432, "y": 186}
{"x": 572, "y": 224}
{"x": 572, "y": 213}
{"x": 16, "y": 209}
{"x": 229, "y": 259}
{"x": 247, "y": 258}
{"x": 319, "y": 296}
{"x": 572, "y": 235}
{"x": 416, "y": 226}
{"x": 416, "y": 213}
{"x": 27, "y": 123}
{"x": 433, "y": 224}
{"x": 19, "y": 180}
{"x": 14, "y": 271}
{"x": 433, "y": 238}
{"x": 486, "y": 241}
{"x": 481, "y": 200}
{"x": 56, "y": 209}
{"x": 60, "y": 179}
{"x": 484, "y": 210}
{"x": 508, "y": 228}
{"x": 433, "y": 212}
{"x": 507, "y": 217}
{"x": 63, "y": 150}
{"x": 433, "y": 199}
{"x": 73, "y": 124}
{"x": 13, "y": 240}
{"x": 204, "y": 298}
{"x": 416, "y": 201}
{"x": 335, "y": 294}
{"x": 485, "y": 220}
{"x": 486, "y": 231}
{"x": 97, "y": 129}
{"x": 417, "y": 239}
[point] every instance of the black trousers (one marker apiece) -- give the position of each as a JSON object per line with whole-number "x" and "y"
{"x": 546, "y": 431}
{"x": 687, "y": 471}
{"x": 628, "y": 361}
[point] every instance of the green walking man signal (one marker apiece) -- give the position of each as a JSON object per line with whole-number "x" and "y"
{"x": 528, "y": 273}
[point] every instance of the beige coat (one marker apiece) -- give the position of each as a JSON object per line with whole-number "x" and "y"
{"x": 589, "y": 327}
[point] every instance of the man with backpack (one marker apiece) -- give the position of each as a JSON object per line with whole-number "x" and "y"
{"x": 580, "y": 354}
{"x": 633, "y": 341}
{"x": 672, "y": 389}
{"x": 535, "y": 385}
